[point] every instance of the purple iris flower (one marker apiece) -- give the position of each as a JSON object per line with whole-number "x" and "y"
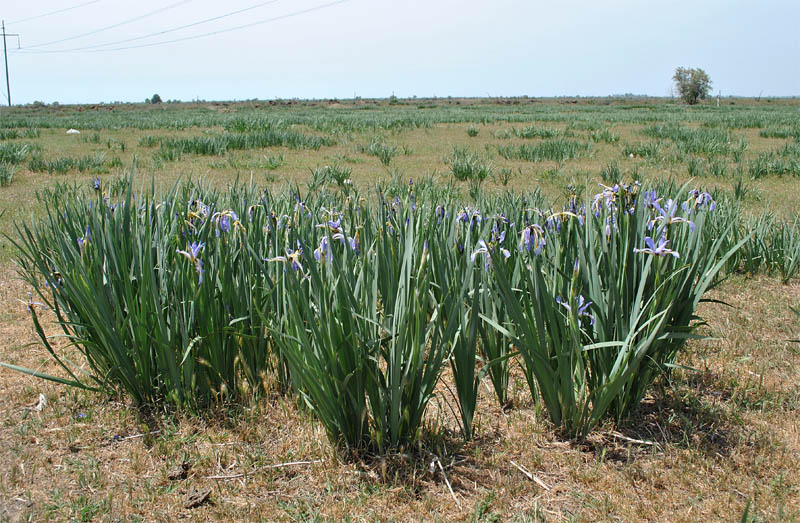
{"x": 30, "y": 305}
{"x": 532, "y": 238}
{"x": 667, "y": 216}
{"x": 192, "y": 253}
{"x": 701, "y": 199}
{"x": 650, "y": 199}
{"x": 224, "y": 220}
{"x": 353, "y": 242}
{"x": 498, "y": 236}
{"x": 323, "y": 253}
{"x": 85, "y": 239}
{"x": 582, "y": 308}
{"x": 334, "y": 226}
{"x": 657, "y": 250}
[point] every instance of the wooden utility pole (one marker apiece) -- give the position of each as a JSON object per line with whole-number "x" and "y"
{"x": 5, "y": 56}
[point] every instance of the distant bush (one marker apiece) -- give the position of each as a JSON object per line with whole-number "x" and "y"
{"x": 155, "y": 99}
{"x": 692, "y": 84}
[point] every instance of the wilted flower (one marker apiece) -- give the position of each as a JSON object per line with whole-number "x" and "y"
{"x": 355, "y": 243}
{"x": 323, "y": 253}
{"x": 440, "y": 214}
{"x": 532, "y": 238}
{"x": 293, "y": 257}
{"x": 225, "y": 220}
{"x": 197, "y": 209}
{"x": 55, "y": 276}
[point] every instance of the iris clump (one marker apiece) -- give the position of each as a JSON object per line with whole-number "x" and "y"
{"x": 355, "y": 304}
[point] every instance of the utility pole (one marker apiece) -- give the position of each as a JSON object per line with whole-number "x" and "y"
{"x": 5, "y": 55}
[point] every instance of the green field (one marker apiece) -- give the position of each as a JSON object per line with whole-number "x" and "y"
{"x": 708, "y": 432}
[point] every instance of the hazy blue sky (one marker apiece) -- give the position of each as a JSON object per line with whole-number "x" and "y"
{"x": 373, "y": 48}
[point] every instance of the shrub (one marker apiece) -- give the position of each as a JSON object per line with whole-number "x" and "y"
{"x": 692, "y": 84}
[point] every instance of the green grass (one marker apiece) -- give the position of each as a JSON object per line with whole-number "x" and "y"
{"x": 6, "y": 174}
{"x": 696, "y": 420}
{"x": 468, "y": 165}
{"x": 380, "y": 149}
{"x": 558, "y": 150}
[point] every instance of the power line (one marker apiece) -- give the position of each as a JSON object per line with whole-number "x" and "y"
{"x": 106, "y": 28}
{"x": 158, "y": 33}
{"x": 251, "y": 24}
{"x": 55, "y": 12}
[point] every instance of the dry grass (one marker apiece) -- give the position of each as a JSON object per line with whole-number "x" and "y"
{"x": 703, "y": 445}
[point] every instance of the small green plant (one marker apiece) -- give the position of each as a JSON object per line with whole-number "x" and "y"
{"x": 380, "y": 149}
{"x": 6, "y": 174}
{"x": 558, "y": 150}
{"x": 604, "y": 135}
{"x": 504, "y": 176}
{"x": 339, "y": 174}
{"x": 273, "y": 162}
{"x": 91, "y": 138}
{"x": 149, "y": 141}
{"x": 718, "y": 168}
{"x": 472, "y": 131}
{"x": 611, "y": 173}
{"x": 642, "y": 150}
{"x": 13, "y": 153}
{"x": 531, "y": 131}
{"x": 467, "y": 165}
{"x": 695, "y": 166}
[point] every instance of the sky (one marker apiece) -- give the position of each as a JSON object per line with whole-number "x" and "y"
{"x": 376, "y": 48}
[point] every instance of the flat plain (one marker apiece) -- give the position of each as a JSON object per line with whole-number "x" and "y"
{"x": 718, "y": 440}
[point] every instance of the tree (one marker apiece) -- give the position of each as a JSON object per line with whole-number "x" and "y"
{"x": 155, "y": 99}
{"x": 692, "y": 84}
